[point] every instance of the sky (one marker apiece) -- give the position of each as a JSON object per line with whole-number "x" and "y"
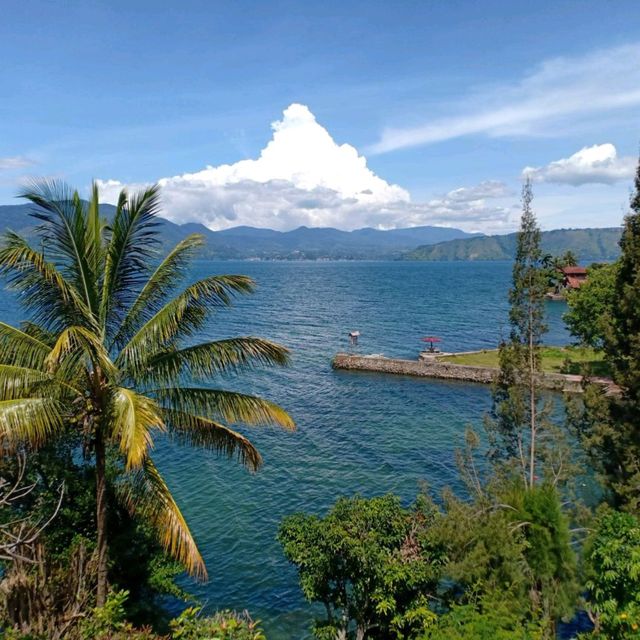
{"x": 345, "y": 114}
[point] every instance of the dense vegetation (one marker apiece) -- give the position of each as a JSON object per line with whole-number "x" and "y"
{"x": 592, "y": 245}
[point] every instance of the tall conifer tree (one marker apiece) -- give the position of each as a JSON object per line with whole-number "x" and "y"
{"x": 622, "y": 346}
{"x": 610, "y": 425}
{"x": 517, "y": 416}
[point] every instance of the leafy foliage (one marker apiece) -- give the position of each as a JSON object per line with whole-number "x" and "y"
{"x": 484, "y": 619}
{"x": 109, "y": 623}
{"x": 552, "y": 266}
{"x": 592, "y": 305}
{"x": 224, "y": 625}
{"x": 512, "y": 545}
{"x": 370, "y": 563}
{"x": 609, "y": 425}
{"x": 613, "y": 561}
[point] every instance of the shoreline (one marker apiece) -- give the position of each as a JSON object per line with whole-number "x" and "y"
{"x": 561, "y": 382}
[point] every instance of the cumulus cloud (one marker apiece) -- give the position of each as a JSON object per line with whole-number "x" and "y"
{"x": 597, "y": 164}
{"x": 303, "y": 177}
{"x": 561, "y": 88}
{"x": 14, "y": 162}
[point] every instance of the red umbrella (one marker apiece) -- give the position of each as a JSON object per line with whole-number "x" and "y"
{"x": 431, "y": 340}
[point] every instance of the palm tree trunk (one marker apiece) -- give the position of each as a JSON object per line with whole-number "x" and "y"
{"x": 101, "y": 520}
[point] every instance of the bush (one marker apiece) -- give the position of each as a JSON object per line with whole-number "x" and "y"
{"x": 224, "y": 625}
{"x": 613, "y": 571}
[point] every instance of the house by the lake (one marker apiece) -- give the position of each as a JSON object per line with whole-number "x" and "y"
{"x": 573, "y": 277}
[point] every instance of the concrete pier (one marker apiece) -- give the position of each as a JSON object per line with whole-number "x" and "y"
{"x": 432, "y": 368}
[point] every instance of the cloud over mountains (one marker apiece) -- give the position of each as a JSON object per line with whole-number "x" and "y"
{"x": 303, "y": 177}
{"x": 597, "y": 164}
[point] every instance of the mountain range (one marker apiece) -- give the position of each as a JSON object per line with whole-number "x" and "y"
{"x": 304, "y": 243}
{"x": 254, "y": 243}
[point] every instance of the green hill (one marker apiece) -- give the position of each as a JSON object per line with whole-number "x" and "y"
{"x": 590, "y": 245}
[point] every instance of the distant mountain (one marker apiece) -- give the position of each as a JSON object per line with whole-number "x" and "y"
{"x": 589, "y": 245}
{"x": 253, "y": 243}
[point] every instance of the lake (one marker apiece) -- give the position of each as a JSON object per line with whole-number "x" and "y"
{"x": 356, "y": 432}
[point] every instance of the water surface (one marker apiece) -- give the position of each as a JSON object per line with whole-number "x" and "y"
{"x": 356, "y": 432}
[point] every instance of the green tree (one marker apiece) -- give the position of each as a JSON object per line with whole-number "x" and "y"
{"x": 370, "y": 563}
{"x": 483, "y": 619}
{"x": 610, "y": 424}
{"x": 109, "y": 354}
{"x": 613, "y": 576}
{"x": 553, "y": 266}
{"x": 591, "y": 307}
{"x": 517, "y": 417}
{"x": 622, "y": 341}
{"x": 511, "y": 547}
{"x": 529, "y": 451}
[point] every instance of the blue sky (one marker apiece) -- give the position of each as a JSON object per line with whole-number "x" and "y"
{"x": 447, "y": 102}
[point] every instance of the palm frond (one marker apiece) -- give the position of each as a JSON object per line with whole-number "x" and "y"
{"x": 181, "y": 317}
{"x": 133, "y": 240}
{"x": 44, "y": 292}
{"x": 228, "y": 406}
{"x": 197, "y": 431}
{"x": 76, "y": 342}
{"x": 204, "y": 360}
{"x": 95, "y": 229}
{"x": 38, "y": 332}
{"x": 161, "y": 283}
{"x": 134, "y": 417}
{"x": 21, "y": 382}
{"x": 28, "y": 421}
{"x": 145, "y": 493}
{"x": 65, "y": 232}
{"x": 19, "y": 348}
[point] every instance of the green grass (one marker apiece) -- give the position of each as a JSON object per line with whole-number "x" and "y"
{"x": 554, "y": 360}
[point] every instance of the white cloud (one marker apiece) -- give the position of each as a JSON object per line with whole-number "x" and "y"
{"x": 558, "y": 89}
{"x": 303, "y": 177}
{"x": 597, "y": 164}
{"x": 14, "y": 162}
{"x": 488, "y": 189}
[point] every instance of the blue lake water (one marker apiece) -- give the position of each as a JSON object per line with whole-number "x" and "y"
{"x": 356, "y": 432}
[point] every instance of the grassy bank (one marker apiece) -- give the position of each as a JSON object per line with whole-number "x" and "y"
{"x": 554, "y": 360}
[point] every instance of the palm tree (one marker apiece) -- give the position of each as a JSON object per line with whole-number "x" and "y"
{"x": 109, "y": 351}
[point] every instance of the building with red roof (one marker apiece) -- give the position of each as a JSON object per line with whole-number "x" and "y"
{"x": 574, "y": 277}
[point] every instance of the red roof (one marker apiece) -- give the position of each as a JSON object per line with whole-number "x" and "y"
{"x": 574, "y": 271}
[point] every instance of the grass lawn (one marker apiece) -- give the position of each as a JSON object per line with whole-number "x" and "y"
{"x": 554, "y": 359}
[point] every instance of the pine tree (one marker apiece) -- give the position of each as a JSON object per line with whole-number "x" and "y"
{"x": 609, "y": 425}
{"x": 612, "y": 432}
{"x": 517, "y": 416}
{"x": 622, "y": 344}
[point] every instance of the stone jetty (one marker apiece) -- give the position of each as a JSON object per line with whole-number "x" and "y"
{"x": 433, "y": 368}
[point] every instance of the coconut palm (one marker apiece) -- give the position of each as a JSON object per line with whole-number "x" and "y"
{"x": 109, "y": 352}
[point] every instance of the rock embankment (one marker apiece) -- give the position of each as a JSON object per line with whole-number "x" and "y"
{"x": 447, "y": 371}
